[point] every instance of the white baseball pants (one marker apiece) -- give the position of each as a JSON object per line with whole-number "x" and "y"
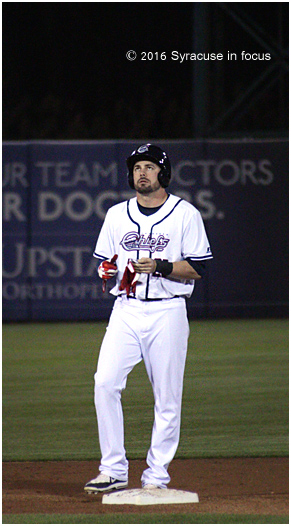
{"x": 156, "y": 332}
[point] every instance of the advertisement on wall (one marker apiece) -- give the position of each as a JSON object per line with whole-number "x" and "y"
{"x": 56, "y": 195}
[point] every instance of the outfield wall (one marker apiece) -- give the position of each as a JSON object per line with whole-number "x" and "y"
{"x": 56, "y": 194}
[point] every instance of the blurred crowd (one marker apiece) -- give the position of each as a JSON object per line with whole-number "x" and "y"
{"x": 53, "y": 117}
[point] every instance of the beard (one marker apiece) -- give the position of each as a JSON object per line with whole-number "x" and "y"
{"x": 147, "y": 188}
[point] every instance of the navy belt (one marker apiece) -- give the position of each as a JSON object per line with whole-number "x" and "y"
{"x": 148, "y": 299}
{"x": 154, "y": 299}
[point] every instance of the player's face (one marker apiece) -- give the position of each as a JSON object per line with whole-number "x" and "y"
{"x": 145, "y": 177}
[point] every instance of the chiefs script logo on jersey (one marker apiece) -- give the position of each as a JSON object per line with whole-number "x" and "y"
{"x": 135, "y": 241}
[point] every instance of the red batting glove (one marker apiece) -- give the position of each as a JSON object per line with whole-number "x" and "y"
{"x": 106, "y": 270}
{"x": 129, "y": 279}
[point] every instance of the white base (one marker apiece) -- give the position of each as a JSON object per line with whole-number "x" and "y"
{"x": 144, "y": 497}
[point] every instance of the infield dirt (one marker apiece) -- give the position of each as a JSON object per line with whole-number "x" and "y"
{"x": 236, "y": 485}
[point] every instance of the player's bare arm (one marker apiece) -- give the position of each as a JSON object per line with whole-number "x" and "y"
{"x": 181, "y": 269}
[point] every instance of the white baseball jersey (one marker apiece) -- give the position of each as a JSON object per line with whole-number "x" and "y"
{"x": 175, "y": 232}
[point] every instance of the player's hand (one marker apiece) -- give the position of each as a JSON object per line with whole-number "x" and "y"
{"x": 145, "y": 266}
{"x": 106, "y": 270}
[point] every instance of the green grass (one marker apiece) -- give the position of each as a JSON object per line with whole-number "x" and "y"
{"x": 142, "y": 518}
{"x": 236, "y": 389}
{"x": 235, "y": 392}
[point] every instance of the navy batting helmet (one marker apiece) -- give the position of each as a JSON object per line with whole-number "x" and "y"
{"x": 156, "y": 155}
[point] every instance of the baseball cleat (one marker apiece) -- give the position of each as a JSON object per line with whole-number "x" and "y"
{"x": 104, "y": 483}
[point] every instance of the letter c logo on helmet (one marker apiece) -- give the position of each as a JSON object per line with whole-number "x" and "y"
{"x": 156, "y": 155}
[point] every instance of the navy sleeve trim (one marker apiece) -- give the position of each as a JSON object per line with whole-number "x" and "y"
{"x": 98, "y": 256}
{"x": 200, "y": 258}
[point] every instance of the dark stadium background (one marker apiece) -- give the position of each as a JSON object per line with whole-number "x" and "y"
{"x": 65, "y": 73}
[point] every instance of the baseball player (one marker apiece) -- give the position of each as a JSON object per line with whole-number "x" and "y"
{"x": 155, "y": 246}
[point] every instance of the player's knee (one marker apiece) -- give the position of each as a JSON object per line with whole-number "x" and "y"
{"x": 104, "y": 386}
{"x": 101, "y": 383}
